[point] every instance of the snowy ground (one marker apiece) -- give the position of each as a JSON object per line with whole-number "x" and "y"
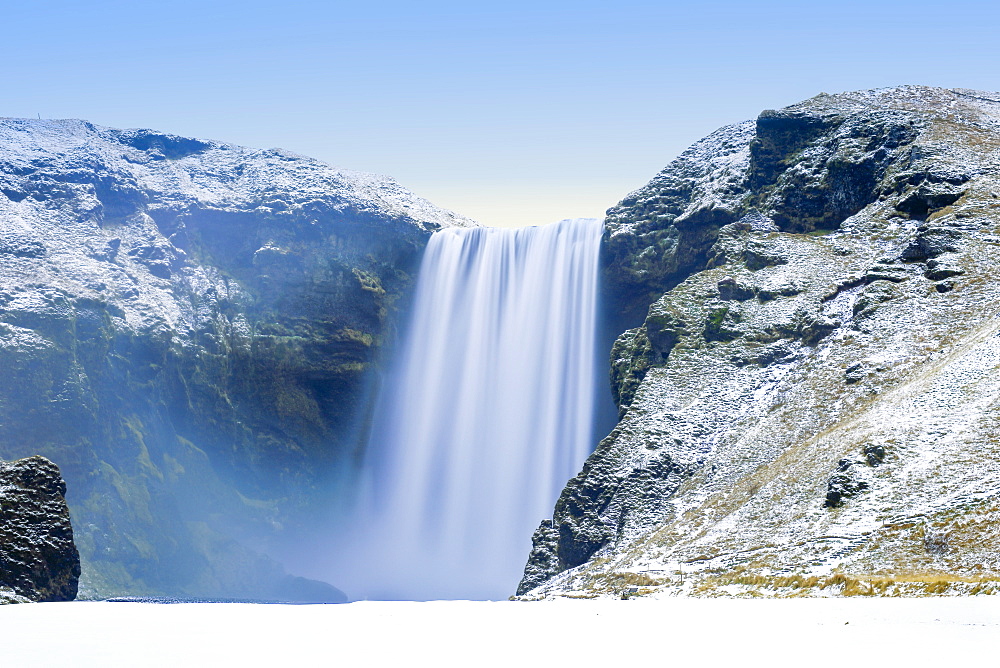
{"x": 817, "y": 632}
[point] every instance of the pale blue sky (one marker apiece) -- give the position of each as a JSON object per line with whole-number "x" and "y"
{"x": 512, "y": 113}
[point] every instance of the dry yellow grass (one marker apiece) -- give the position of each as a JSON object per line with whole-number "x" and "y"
{"x": 844, "y": 584}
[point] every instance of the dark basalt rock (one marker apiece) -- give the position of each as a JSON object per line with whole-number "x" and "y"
{"x": 852, "y": 476}
{"x": 931, "y": 242}
{"x": 874, "y": 454}
{"x": 542, "y": 561}
{"x": 941, "y": 272}
{"x": 808, "y": 167}
{"x": 872, "y": 296}
{"x": 598, "y": 505}
{"x": 664, "y": 327}
{"x": 930, "y": 196}
{"x": 38, "y": 559}
{"x": 945, "y": 286}
{"x": 842, "y": 487}
{"x": 767, "y": 294}
{"x": 839, "y": 160}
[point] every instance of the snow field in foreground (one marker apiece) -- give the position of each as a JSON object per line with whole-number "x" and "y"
{"x": 820, "y": 632}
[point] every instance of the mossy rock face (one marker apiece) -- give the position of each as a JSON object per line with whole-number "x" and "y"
{"x": 190, "y": 330}
{"x": 824, "y": 421}
{"x": 631, "y": 356}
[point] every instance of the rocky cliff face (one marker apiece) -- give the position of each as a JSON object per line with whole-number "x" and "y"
{"x": 187, "y": 328}
{"x": 810, "y": 405}
{"x": 38, "y": 559}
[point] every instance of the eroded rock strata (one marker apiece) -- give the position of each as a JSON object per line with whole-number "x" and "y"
{"x": 187, "y": 328}
{"x": 38, "y": 559}
{"x": 810, "y": 405}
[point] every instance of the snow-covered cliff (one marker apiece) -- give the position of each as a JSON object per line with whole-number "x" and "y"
{"x": 187, "y": 329}
{"x": 810, "y": 403}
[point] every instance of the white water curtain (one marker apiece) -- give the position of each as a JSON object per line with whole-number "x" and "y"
{"x": 487, "y": 413}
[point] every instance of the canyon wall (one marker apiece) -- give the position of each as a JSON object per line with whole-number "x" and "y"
{"x": 807, "y": 390}
{"x": 188, "y": 329}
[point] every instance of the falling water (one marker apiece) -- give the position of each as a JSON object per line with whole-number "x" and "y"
{"x": 488, "y": 412}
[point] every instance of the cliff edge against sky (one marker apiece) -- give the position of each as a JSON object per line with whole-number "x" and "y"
{"x": 810, "y": 404}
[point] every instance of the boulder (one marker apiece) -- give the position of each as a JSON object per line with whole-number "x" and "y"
{"x": 38, "y": 559}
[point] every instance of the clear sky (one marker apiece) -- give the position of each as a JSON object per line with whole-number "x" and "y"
{"x": 512, "y": 113}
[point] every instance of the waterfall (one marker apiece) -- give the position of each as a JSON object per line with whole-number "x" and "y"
{"x": 487, "y": 412}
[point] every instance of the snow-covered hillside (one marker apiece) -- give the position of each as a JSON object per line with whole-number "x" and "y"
{"x": 810, "y": 406}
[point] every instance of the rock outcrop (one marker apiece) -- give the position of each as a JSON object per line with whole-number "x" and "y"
{"x": 188, "y": 328}
{"x": 810, "y": 402}
{"x": 38, "y": 559}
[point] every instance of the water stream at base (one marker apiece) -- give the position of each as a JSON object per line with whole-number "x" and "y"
{"x": 486, "y": 414}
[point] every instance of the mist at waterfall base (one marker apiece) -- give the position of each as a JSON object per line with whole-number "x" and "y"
{"x": 486, "y": 412}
